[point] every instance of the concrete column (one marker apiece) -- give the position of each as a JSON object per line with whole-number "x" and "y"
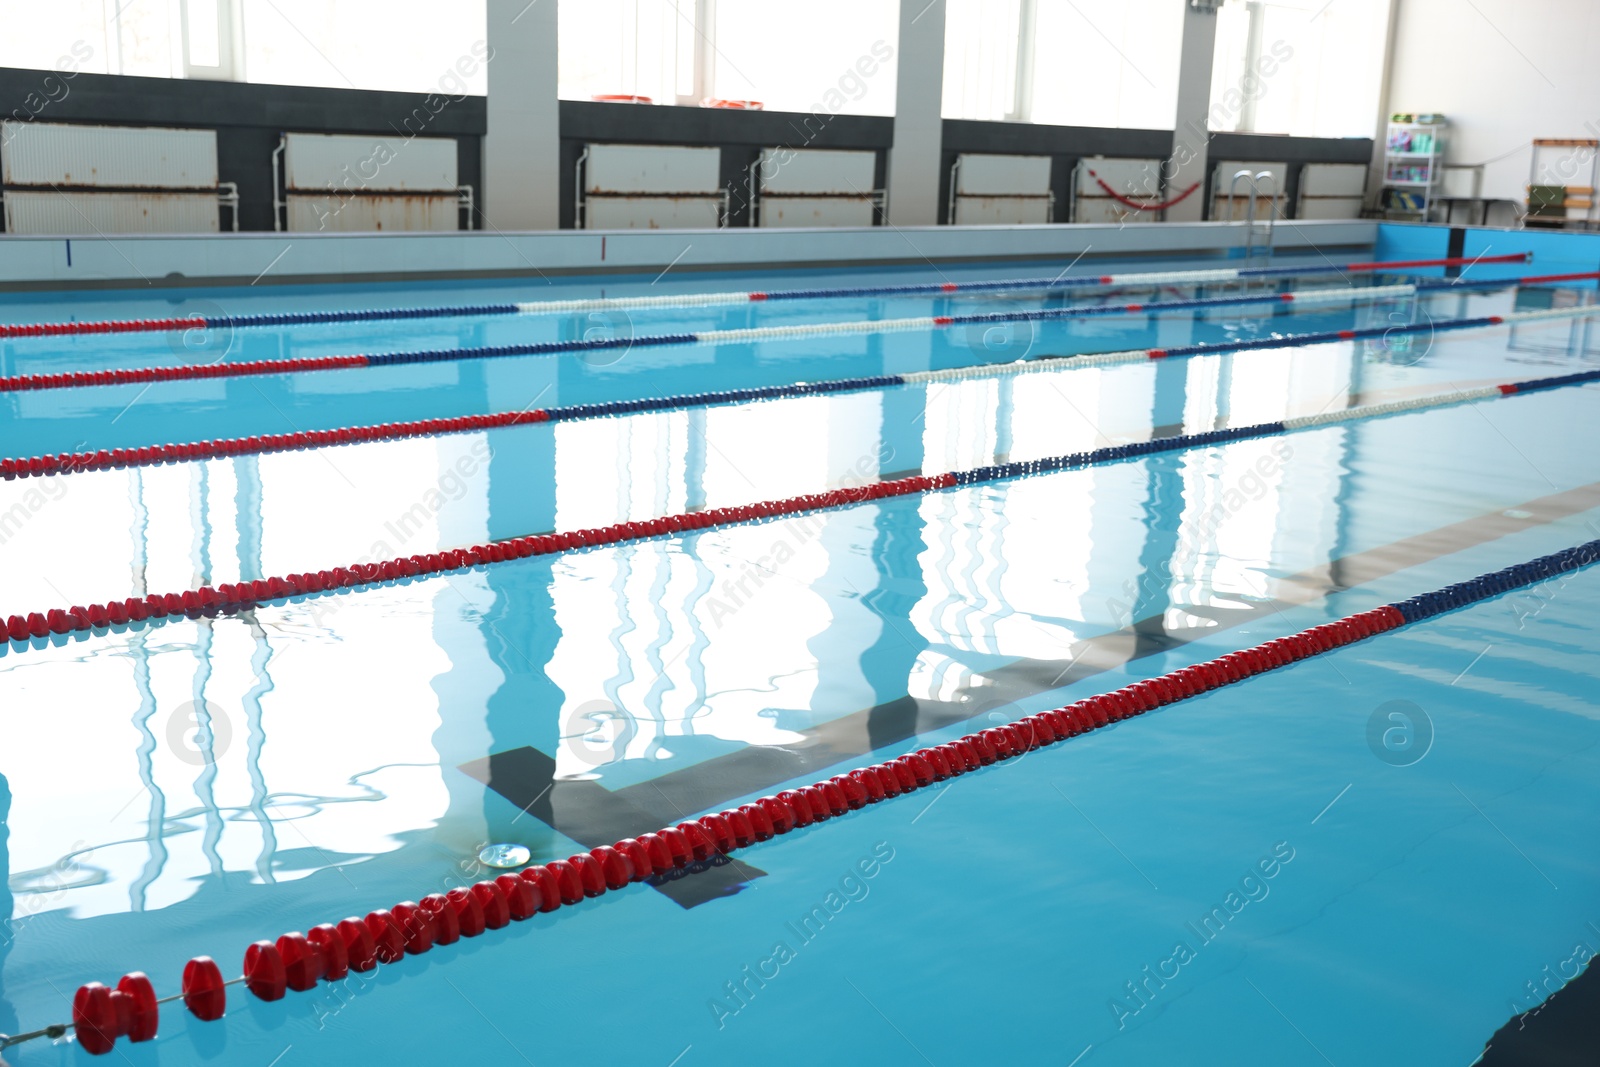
{"x": 1380, "y": 127}
{"x": 915, "y": 161}
{"x": 1191, "y": 138}
{"x": 522, "y": 149}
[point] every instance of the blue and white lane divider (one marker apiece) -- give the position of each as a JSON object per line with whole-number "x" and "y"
{"x": 81, "y": 379}
{"x": 1171, "y": 277}
{"x": 25, "y": 629}
{"x": 692, "y": 300}
{"x": 1041, "y": 365}
{"x": 119, "y": 458}
{"x": 1183, "y": 442}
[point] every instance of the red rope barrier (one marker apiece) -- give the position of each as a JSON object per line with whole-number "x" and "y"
{"x": 1136, "y": 205}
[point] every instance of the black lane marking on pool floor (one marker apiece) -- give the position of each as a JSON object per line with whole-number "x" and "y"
{"x": 593, "y": 815}
{"x": 1564, "y": 1031}
{"x": 589, "y": 813}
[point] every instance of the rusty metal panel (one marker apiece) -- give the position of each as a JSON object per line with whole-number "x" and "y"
{"x": 987, "y": 175}
{"x": 817, "y": 211}
{"x": 1334, "y": 179}
{"x": 1002, "y": 210}
{"x": 1332, "y": 191}
{"x": 70, "y": 212}
{"x": 1104, "y": 210}
{"x": 789, "y": 171}
{"x": 1272, "y": 196}
{"x": 664, "y": 170}
{"x": 139, "y": 157}
{"x": 1330, "y": 207}
{"x": 379, "y": 213}
{"x": 1139, "y": 179}
{"x": 652, "y": 212}
{"x": 1265, "y": 206}
{"x": 316, "y": 161}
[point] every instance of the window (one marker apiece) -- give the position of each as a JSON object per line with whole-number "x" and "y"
{"x": 413, "y": 46}
{"x": 830, "y": 56}
{"x": 1110, "y": 65}
{"x": 1063, "y": 62}
{"x": 1302, "y": 67}
{"x": 648, "y": 48}
{"x": 981, "y": 54}
{"x": 835, "y": 56}
{"x": 406, "y": 45}
{"x": 91, "y": 35}
{"x": 202, "y": 33}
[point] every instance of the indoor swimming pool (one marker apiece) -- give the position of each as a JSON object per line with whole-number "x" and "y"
{"x": 688, "y": 596}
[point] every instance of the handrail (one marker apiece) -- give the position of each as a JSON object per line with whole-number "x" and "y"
{"x": 1266, "y": 178}
{"x": 228, "y": 197}
{"x": 1256, "y": 182}
{"x": 278, "y": 204}
{"x": 577, "y": 188}
{"x": 1233, "y": 188}
{"x": 951, "y": 206}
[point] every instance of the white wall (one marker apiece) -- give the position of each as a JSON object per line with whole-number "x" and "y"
{"x": 1503, "y": 72}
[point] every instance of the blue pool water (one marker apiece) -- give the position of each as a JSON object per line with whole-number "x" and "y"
{"x": 1364, "y": 907}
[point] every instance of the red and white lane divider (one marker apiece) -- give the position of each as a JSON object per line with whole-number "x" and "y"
{"x": 705, "y": 300}
{"x": 264, "y": 444}
{"x": 306, "y": 364}
{"x": 24, "y": 630}
{"x": 328, "y": 952}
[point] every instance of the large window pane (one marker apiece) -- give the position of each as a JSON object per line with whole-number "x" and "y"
{"x": 832, "y": 56}
{"x": 133, "y": 37}
{"x": 406, "y": 45}
{"x": 628, "y": 47}
{"x": 980, "y": 59}
{"x": 1063, "y": 62}
{"x": 1302, "y": 67}
{"x": 1107, "y": 64}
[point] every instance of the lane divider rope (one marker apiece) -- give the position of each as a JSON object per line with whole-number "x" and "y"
{"x": 264, "y": 444}
{"x": 919, "y": 324}
{"x": 328, "y": 952}
{"x": 1208, "y": 275}
{"x": 23, "y": 630}
{"x": 699, "y": 300}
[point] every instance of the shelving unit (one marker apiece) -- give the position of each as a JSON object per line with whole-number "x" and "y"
{"x": 1413, "y": 169}
{"x": 1552, "y": 199}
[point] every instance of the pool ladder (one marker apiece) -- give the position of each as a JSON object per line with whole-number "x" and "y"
{"x": 1252, "y": 228}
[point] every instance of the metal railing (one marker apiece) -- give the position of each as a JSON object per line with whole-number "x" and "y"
{"x": 1256, "y": 182}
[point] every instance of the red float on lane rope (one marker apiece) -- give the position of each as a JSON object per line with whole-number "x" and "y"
{"x": 205, "y": 994}
{"x": 101, "y": 1015}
